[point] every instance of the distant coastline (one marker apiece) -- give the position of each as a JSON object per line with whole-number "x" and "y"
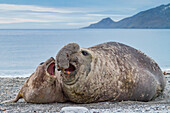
{"x": 155, "y": 18}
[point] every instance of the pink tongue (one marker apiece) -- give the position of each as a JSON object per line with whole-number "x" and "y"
{"x": 51, "y": 69}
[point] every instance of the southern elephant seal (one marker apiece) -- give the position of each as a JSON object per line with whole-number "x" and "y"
{"x": 43, "y": 86}
{"x": 108, "y": 72}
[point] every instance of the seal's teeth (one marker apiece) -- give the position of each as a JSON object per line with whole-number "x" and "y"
{"x": 67, "y": 72}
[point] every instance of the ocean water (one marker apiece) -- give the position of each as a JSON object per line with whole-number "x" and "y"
{"x": 21, "y": 51}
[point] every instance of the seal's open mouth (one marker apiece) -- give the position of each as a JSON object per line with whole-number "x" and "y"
{"x": 69, "y": 74}
{"x": 51, "y": 69}
{"x": 70, "y": 69}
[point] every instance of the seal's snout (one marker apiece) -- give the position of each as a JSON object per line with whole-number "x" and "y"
{"x": 65, "y": 63}
{"x": 63, "y": 56}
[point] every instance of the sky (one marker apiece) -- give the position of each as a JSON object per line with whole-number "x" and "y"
{"x": 67, "y": 14}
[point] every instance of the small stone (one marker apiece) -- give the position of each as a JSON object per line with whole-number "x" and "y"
{"x": 74, "y": 110}
{"x": 157, "y": 108}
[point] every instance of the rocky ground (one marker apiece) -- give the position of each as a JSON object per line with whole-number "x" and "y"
{"x": 9, "y": 87}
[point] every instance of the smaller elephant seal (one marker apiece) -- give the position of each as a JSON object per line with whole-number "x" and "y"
{"x": 43, "y": 86}
{"x": 108, "y": 72}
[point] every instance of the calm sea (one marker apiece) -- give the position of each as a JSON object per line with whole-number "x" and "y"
{"x": 21, "y": 51}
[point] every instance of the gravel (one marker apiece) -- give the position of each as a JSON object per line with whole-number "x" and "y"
{"x": 9, "y": 87}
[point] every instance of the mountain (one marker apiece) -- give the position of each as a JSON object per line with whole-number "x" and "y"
{"x": 155, "y": 18}
{"x": 104, "y": 23}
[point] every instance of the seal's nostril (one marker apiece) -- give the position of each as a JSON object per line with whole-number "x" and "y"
{"x": 41, "y": 63}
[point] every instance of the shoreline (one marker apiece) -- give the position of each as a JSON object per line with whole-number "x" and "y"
{"x": 9, "y": 87}
{"x": 167, "y": 70}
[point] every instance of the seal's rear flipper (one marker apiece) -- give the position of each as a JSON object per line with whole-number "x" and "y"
{"x": 13, "y": 100}
{"x": 9, "y": 101}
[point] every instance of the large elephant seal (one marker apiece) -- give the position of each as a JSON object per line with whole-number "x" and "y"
{"x": 108, "y": 72}
{"x": 43, "y": 86}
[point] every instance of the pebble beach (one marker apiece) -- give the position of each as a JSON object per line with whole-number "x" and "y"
{"x": 9, "y": 88}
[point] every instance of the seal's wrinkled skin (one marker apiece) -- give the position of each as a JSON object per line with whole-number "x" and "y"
{"x": 108, "y": 72}
{"x": 43, "y": 86}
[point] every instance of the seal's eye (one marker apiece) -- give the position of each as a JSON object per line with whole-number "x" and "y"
{"x": 41, "y": 63}
{"x": 84, "y": 53}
